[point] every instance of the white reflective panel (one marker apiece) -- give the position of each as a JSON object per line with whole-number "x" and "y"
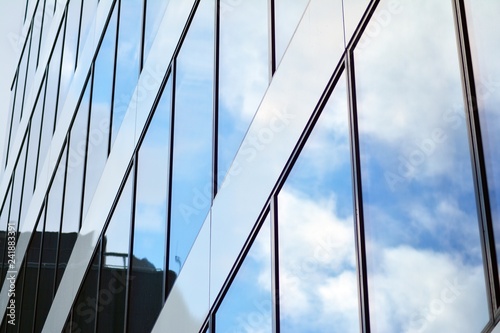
{"x": 353, "y": 11}
{"x": 287, "y": 16}
{"x": 281, "y": 118}
{"x": 425, "y": 264}
{"x": 88, "y": 12}
{"x": 155, "y": 10}
{"x": 485, "y": 49}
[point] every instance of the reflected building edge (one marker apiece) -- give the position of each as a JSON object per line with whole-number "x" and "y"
{"x": 226, "y": 166}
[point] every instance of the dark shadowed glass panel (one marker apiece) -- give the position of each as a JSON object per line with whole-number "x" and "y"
{"x": 425, "y": 266}
{"x": 51, "y": 239}
{"x": 18, "y": 297}
{"x": 74, "y": 184}
{"x": 155, "y": 9}
{"x": 244, "y": 73}
{"x": 4, "y": 232}
{"x": 31, "y": 267}
{"x": 248, "y": 304}
{"x": 192, "y": 161}
{"x": 70, "y": 48}
{"x": 98, "y": 136}
{"x": 146, "y": 292}
{"x": 483, "y": 23}
{"x": 84, "y": 311}
{"x": 127, "y": 60}
{"x": 317, "y": 260}
{"x": 287, "y": 17}
{"x": 114, "y": 265}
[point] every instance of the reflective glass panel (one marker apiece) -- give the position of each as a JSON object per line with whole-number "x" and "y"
{"x": 148, "y": 260}
{"x": 482, "y": 27}
{"x": 243, "y": 73}
{"x": 317, "y": 262}
{"x": 425, "y": 266}
{"x": 98, "y": 136}
{"x": 88, "y": 12}
{"x": 155, "y": 9}
{"x": 353, "y": 11}
{"x": 36, "y": 38}
{"x": 21, "y": 80}
{"x": 8, "y": 127}
{"x": 16, "y": 205}
{"x": 287, "y": 17}
{"x": 48, "y": 15}
{"x": 248, "y": 304}
{"x": 4, "y": 232}
{"x": 114, "y": 265}
{"x": 47, "y": 129}
{"x": 127, "y": 60}
{"x": 51, "y": 238}
{"x": 70, "y": 48}
{"x": 54, "y": 70}
{"x": 192, "y": 156}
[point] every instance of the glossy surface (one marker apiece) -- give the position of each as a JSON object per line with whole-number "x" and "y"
{"x": 425, "y": 267}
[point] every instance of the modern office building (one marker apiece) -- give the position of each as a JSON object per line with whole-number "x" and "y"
{"x": 253, "y": 166}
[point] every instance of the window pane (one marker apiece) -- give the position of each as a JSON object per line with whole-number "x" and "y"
{"x": 54, "y": 70}
{"x": 192, "y": 163}
{"x": 155, "y": 9}
{"x": 21, "y": 80}
{"x": 425, "y": 266}
{"x": 128, "y": 59}
{"x": 88, "y": 13}
{"x": 486, "y": 52}
{"x": 316, "y": 230}
{"x": 148, "y": 260}
{"x": 247, "y": 305}
{"x": 4, "y": 232}
{"x": 114, "y": 265}
{"x": 287, "y": 17}
{"x": 47, "y": 129}
{"x": 70, "y": 46}
{"x": 244, "y": 73}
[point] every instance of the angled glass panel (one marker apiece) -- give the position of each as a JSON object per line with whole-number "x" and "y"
{"x": 84, "y": 311}
{"x": 485, "y": 51}
{"x": 31, "y": 271}
{"x": 287, "y": 17}
{"x": 47, "y": 129}
{"x": 16, "y": 203}
{"x": 354, "y": 10}
{"x": 114, "y": 266}
{"x": 317, "y": 261}
{"x": 21, "y": 81}
{"x": 9, "y": 126}
{"x": 51, "y": 240}
{"x": 88, "y": 12}
{"x": 32, "y": 58}
{"x": 53, "y": 110}
{"x": 127, "y": 60}
{"x": 48, "y": 15}
{"x": 243, "y": 73}
{"x": 36, "y": 37}
{"x": 98, "y": 136}
{"x": 248, "y": 304}
{"x": 147, "y": 292}
{"x": 4, "y": 232}
{"x": 155, "y": 9}
{"x": 425, "y": 265}
{"x": 192, "y": 156}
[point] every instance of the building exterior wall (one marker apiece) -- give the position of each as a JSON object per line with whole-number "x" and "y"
{"x": 252, "y": 166}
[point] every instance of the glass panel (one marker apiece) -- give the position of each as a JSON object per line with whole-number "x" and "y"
{"x": 84, "y": 311}
{"x": 354, "y": 10}
{"x": 192, "y": 156}
{"x": 316, "y": 230}
{"x": 54, "y": 70}
{"x": 74, "y": 184}
{"x": 50, "y": 241}
{"x": 97, "y": 150}
{"x": 88, "y": 13}
{"x": 32, "y": 55}
{"x": 287, "y": 17}
{"x": 31, "y": 267}
{"x": 4, "y": 232}
{"x": 155, "y": 9}
{"x": 9, "y": 124}
{"x": 425, "y": 266}
{"x": 148, "y": 261}
{"x": 46, "y": 131}
{"x": 70, "y": 49}
{"x": 36, "y": 38}
{"x": 114, "y": 267}
{"x": 21, "y": 80}
{"x": 248, "y": 304}
{"x": 244, "y": 74}
{"x": 482, "y": 18}
{"x": 128, "y": 59}
{"x": 48, "y": 15}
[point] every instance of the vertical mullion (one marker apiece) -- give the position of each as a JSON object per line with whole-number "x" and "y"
{"x": 358, "y": 195}
{"x": 143, "y": 34}
{"x": 272, "y": 39}
{"x": 215, "y": 129}
{"x": 477, "y": 157}
{"x": 275, "y": 276}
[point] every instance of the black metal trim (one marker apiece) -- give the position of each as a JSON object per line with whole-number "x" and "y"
{"x": 272, "y": 38}
{"x": 275, "y": 265}
{"x": 215, "y": 129}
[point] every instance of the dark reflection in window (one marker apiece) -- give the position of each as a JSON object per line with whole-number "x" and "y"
{"x": 243, "y": 73}
{"x": 482, "y": 26}
{"x": 192, "y": 156}
{"x": 114, "y": 265}
{"x": 155, "y": 9}
{"x": 127, "y": 59}
{"x": 418, "y": 194}
{"x": 51, "y": 238}
{"x": 247, "y": 305}
{"x": 98, "y": 136}
{"x": 318, "y": 282}
{"x": 74, "y": 184}
{"x": 287, "y": 16}
{"x": 83, "y": 314}
{"x": 146, "y": 292}
{"x": 31, "y": 273}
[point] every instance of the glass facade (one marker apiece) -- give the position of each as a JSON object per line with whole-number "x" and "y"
{"x": 252, "y": 166}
